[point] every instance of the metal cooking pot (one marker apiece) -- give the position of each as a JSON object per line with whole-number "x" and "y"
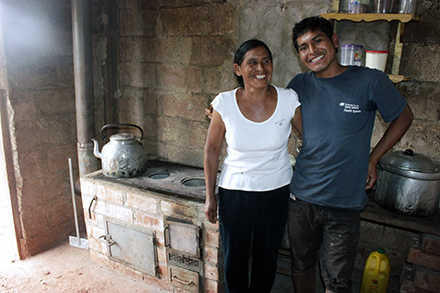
{"x": 123, "y": 156}
{"x": 408, "y": 183}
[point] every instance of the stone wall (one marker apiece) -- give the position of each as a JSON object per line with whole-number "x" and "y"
{"x": 41, "y": 113}
{"x": 421, "y": 62}
{"x": 40, "y": 109}
{"x": 176, "y": 56}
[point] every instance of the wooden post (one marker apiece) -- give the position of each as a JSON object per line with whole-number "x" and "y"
{"x": 398, "y": 49}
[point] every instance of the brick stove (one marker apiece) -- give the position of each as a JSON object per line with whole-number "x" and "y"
{"x": 153, "y": 227}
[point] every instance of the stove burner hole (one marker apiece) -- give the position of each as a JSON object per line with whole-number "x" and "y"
{"x": 162, "y": 175}
{"x": 193, "y": 182}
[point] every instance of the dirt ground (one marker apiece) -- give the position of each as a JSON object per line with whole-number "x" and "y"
{"x": 65, "y": 268}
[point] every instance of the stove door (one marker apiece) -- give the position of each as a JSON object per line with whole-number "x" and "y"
{"x": 182, "y": 236}
{"x": 132, "y": 247}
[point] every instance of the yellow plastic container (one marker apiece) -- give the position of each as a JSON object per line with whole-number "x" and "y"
{"x": 376, "y": 273}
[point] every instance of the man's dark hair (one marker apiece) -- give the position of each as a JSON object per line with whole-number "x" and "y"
{"x": 241, "y": 52}
{"x": 311, "y": 24}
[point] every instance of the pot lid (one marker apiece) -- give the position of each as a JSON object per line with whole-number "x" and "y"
{"x": 122, "y": 137}
{"x": 410, "y": 161}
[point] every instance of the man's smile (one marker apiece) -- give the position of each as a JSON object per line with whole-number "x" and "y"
{"x": 316, "y": 59}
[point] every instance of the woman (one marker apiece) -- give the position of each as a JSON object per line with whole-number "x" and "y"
{"x": 256, "y": 120}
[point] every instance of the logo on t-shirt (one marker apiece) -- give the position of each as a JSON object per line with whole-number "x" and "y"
{"x": 350, "y": 108}
{"x": 280, "y": 122}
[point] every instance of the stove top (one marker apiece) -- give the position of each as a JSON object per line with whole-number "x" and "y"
{"x": 167, "y": 178}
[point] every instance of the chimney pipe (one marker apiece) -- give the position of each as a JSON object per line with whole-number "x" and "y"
{"x": 83, "y": 73}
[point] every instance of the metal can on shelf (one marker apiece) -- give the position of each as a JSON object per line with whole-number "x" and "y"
{"x": 384, "y": 6}
{"x": 407, "y": 6}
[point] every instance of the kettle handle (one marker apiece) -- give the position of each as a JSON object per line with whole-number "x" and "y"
{"x": 120, "y": 126}
{"x": 409, "y": 152}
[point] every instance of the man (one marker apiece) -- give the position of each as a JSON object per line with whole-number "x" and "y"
{"x": 338, "y": 108}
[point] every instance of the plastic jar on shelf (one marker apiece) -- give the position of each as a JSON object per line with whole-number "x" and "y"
{"x": 358, "y": 6}
{"x": 376, "y": 59}
{"x": 352, "y": 55}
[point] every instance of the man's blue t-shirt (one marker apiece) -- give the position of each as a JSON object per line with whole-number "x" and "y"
{"x": 337, "y": 122}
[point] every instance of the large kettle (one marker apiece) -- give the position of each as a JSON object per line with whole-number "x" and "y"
{"x": 123, "y": 156}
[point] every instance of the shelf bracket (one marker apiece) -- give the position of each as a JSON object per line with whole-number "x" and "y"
{"x": 335, "y": 26}
{"x": 335, "y": 6}
{"x": 398, "y": 49}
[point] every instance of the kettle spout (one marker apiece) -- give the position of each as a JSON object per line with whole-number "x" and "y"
{"x": 96, "y": 151}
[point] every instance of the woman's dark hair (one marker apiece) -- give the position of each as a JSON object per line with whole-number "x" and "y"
{"x": 312, "y": 24}
{"x": 243, "y": 49}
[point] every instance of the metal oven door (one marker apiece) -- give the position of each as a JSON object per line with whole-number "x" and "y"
{"x": 182, "y": 237}
{"x": 132, "y": 247}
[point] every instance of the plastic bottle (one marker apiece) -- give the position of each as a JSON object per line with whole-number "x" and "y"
{"x": 376, "y": 273}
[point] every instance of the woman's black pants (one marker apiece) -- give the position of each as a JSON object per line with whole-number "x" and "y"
{"x": 252, "y": 226}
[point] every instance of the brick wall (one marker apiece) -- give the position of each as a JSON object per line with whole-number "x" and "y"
{"x": 422, "y": 271}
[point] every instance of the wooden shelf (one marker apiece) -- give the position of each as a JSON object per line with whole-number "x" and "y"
{"x": 369, "y": 17}
{"x": 379, "y": 215}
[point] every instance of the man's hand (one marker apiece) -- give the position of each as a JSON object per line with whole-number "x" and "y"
{"x": 392, "y": 135}
{"x": 208, "y": 112}
{"x": 372, "y": 176}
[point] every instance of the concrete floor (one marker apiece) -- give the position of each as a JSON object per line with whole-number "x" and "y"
{"x": 67, "y": 268}
{"x": 283, "y": 282}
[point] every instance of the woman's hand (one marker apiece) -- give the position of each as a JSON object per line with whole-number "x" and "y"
{"x": 211, "y": 210}
{"x": 214, "y": 140}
